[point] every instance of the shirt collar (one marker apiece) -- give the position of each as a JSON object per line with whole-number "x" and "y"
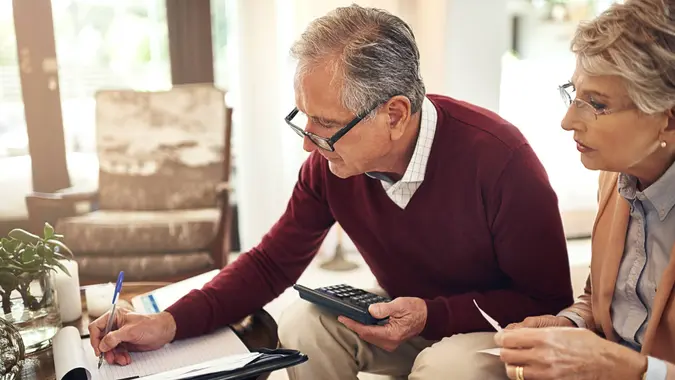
{"x": 418, "y": 162}
{"x": 660, "y": 193}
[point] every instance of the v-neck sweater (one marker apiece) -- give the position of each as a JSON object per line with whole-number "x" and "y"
{"x": 484, "y": 225}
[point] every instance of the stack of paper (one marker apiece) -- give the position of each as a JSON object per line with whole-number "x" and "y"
{"x": 222, "y": 349}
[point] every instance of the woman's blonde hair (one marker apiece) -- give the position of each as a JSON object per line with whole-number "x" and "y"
{"x": 635, "y": 41}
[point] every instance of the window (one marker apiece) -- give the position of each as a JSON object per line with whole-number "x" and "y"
{"x": 13, "y": 136}
{"x": 106, "y": 44}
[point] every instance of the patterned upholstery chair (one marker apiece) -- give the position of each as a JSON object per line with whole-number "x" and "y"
{"x": 161, "y": 211}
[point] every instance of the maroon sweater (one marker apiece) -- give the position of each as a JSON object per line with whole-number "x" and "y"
{"x": 483, "y": 225}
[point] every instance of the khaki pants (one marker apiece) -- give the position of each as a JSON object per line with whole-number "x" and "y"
{"x": 335, "y": 352}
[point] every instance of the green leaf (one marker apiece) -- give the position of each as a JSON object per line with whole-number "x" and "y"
{"x": 48, "y": 231}
{"x": 58, "y": 237}
{"x": 27, "y": 255}
{"x": 6, "y": 265}
{"x": 59, "y": 256}
{"x": 23, "y": 236}
{"x": 61, "y": 246}
{"x": 8, "y": 280}
{"x": 46, "y": 251}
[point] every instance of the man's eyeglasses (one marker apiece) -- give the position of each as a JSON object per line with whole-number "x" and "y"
{"x": 587, "y": 111}
{"x": 298, "y": 121}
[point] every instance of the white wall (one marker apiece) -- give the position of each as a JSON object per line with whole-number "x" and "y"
{"x": 477, "y": 36}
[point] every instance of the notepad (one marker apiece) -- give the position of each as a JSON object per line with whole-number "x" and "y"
{"x": 74, "y": 357}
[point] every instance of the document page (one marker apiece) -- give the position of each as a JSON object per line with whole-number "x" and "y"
{"x": 72, "y": 353}
{"x": 490, "y": 351}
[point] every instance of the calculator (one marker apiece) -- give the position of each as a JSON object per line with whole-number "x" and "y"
{"x": 344, "y": 300}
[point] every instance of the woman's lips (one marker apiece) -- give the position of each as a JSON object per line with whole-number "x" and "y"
{"x": 583, "y": 148}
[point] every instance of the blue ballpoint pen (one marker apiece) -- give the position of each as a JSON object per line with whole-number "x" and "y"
{"x": 111, "y": 318}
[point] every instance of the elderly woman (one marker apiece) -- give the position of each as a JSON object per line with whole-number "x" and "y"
{"x": 622, "y": 106}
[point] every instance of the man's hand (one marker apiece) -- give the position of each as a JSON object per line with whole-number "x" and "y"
{"x": 560, "y": 353}
{"x": 133, "y": 332}
{"x": 541, "y": 322}
{"x": 407, "y": 318}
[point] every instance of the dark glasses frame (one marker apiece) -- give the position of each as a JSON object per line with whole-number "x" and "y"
{"x": 326, "y": 143}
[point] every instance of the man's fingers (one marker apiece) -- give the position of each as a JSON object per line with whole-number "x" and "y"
{"x": 96, "y": 329}
{"x": 109, "y": 357}
{"x": 122, "y": 355}
{"x": 382, "y": 309}
{"x": 114, "y": 338}
{"x": 361, "y": 329}
{"x": 513, "y": 326}
{"x": 351, "y": 324}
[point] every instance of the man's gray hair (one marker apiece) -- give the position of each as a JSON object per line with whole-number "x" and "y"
{"x": 373, "y": 53}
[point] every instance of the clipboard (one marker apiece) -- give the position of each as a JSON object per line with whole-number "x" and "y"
{"x": 270, "y": 360}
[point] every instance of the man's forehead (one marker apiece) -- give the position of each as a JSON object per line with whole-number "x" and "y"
{"x": 317, "y": 94}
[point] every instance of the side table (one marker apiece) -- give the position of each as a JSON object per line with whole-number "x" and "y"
{"x": 258, "y": 330}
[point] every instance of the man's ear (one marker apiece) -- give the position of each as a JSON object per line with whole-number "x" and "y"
{"x": 398, "y": 111}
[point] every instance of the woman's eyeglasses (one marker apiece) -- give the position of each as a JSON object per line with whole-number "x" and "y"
{"x": 587, "y": 111}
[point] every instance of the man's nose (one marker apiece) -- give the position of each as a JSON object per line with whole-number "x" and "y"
{"x": 308, "y": 145}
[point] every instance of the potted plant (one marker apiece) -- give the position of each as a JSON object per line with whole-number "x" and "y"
{"x": 27, "y": 297}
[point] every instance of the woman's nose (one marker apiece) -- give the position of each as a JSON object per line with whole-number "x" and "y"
{"x": 571, "y": 121}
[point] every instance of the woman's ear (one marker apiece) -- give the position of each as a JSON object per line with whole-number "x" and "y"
{"x": 668, "y": 132}
{"x": 671, "y": 120}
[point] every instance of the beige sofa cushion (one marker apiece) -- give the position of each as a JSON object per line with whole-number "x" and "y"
{"x": 144, "y": 268}
{"x": 125, "y": 233}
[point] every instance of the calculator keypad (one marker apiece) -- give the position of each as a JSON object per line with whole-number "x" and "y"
{"x": 354, "y": 296}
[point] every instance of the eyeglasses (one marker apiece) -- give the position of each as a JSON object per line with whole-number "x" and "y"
{"x": 587, "y": 111}
{"x": 298, "y": 120}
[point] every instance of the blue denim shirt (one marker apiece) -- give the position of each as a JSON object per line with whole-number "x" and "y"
{"x": 649, "y": 240}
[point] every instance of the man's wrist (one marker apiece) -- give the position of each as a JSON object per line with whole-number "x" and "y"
{"x": 168, "y": 324}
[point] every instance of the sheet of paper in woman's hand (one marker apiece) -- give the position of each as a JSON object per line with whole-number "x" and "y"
{"x": 488, "y": 318}
{"x": 490, "y": 351}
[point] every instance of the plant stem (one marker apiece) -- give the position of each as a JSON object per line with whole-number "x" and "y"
{"x": 6, "y": 302}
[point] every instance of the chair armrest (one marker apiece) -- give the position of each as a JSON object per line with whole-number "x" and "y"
{"x": 69, "y": 195}
{"x": 223, "y": 188}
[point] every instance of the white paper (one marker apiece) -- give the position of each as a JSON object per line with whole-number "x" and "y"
{"x": 228, "y": 363}
{"x": 488, "y": 318}
{"x": 71, "y": 352}
{"x": 492, "y": 351}
{"x": 68, "y": 355}
{"x": 493, "y": 323}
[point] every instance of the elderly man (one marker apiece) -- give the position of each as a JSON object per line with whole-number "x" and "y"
{"x": 446, "y": 202}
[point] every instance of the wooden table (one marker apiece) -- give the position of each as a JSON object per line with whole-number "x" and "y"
{"x": 256, "y": 331}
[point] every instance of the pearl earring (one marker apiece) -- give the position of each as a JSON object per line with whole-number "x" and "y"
{"x": 663, "y": 144}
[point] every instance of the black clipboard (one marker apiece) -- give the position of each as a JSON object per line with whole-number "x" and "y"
{"x": 270, "y": 360}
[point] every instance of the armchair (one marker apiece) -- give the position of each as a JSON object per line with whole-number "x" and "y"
{"x": 162, "y": 208}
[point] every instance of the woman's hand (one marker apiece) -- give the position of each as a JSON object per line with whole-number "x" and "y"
{"x": 567, "y": 353}
{"x": 542, "y": 321}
